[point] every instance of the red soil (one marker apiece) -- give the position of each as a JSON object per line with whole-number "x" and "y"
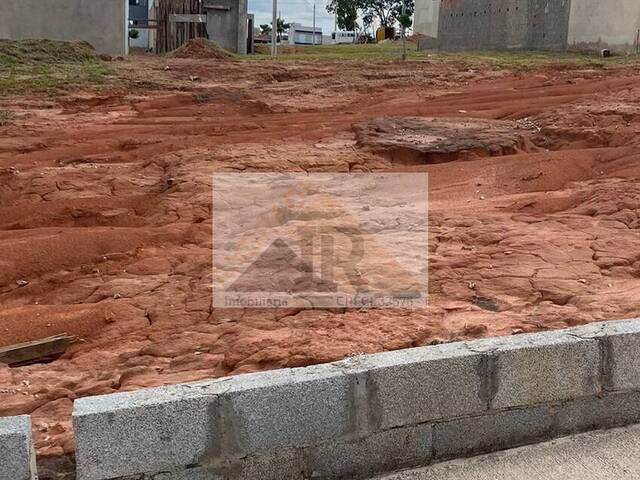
{"x": 200, "y": 48}
{"x": 105, "y": 211}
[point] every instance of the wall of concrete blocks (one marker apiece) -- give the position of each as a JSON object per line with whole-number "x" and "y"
{"x": 503, "y": 24}
{"x": 103, "y": 23}
{"x": 367, "y": 414}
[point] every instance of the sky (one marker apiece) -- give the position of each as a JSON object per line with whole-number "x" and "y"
{"x": 298, "y": 11}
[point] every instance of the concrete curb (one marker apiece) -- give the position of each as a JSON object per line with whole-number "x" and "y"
{"x": 17, "y": 458}
{"x": 358, "y": 417}
{"x": 368, "y": 414}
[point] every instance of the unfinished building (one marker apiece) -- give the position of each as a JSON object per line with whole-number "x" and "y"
{"x": 162, "y": 25}
{"x": 530, "y": 24}
{"x": 103, "y": 24}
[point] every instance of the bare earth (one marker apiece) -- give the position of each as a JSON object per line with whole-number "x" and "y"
{"x": 105, "y": 210}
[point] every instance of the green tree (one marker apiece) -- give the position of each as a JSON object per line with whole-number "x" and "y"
{"x": 405, "y": 21}
{"x": 387, "y": 12}
{"x": 265, "y": 29}
{"x": 346, "y": 12}
{"x": 282, "y": 27}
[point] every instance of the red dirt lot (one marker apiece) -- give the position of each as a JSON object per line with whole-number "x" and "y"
{"x": 105, "y": 210}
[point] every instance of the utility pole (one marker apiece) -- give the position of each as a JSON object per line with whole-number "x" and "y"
{"x": 314, "y": 24}
{"x": 274, "y": 29}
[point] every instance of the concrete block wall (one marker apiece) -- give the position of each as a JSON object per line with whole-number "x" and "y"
{"x": 367, "y": 414}
{"x": 588, "y": 25}
{"x": 17, "y": 458}
{"x": 103, "y": 23}
{"x": 227, "y": 24}
{"x": 503, "y": 24}
{"x": 357, "y": 417}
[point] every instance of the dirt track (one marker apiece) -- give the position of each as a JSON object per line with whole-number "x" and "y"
{"x": 105, "y": 211}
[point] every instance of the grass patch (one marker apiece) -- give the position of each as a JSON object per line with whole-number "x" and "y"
{"x": 47, "y": 66}
{"x": 6, "y": 117}
{"x": 385, "y": 51}
{"x": 524, "y": 60}
{"x": 392, "y": 51}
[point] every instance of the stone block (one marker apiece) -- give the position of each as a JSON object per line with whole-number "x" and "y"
{"x": 378, "y": 452}
{"x": 17, "y": 458}
{"x": 620, "y": 342}
{"x": 287, "y": 408}
{"x": 196, "y": 473}
{"x": 146, "y": 431}
{"x": 276, "y": 465}
{"x": 593, "y": 413}
{"x": 541, "y": 368}
{"x": 492, "y": 432}
{"x": 417, "y": 385}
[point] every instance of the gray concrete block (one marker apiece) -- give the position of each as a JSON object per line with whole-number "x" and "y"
{"x": 417, "y": 385}
{"x": 492, "y": 432}
{"x": 276, "y": 465}
{"x": 379, "y": 452}
{"x": 540, "y": 368}
{"x": 620, "y": 343}
{"x": 146, "y": 431}
{"x": 195, "y": 473}
{"x": 599, "y": 329}
{"x": 287, "y": 408}
{"x": 17, "y": 459}
{"x": 592, "y": 413}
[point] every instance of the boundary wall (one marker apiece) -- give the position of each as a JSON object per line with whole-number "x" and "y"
{"x": 366, "y": 414}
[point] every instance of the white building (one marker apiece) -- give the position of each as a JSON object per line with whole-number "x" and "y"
{"x": 303, "y": 35}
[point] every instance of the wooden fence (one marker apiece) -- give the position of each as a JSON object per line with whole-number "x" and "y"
{"x": 171, "y": 33}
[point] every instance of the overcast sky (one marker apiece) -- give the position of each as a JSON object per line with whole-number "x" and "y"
{"x": 298, "y": 11}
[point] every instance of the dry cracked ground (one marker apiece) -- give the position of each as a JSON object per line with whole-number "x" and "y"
{"x": 106, "y": 219}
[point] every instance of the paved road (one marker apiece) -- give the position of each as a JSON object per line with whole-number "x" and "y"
{"x": 603, "y": 455}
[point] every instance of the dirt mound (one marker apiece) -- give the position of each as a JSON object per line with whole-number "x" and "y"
{"x": 32, "y": 66}
{"x": 200, "y": 48}
{"x": 432, "y": 140}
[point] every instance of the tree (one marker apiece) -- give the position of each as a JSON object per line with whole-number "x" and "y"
{"x": 387, "y": 12}
{"x": 265, "y": 29}
{"x": 405, "y": 21}
{"x": 282, "y": 27}
{"x": 346, "y": 12}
